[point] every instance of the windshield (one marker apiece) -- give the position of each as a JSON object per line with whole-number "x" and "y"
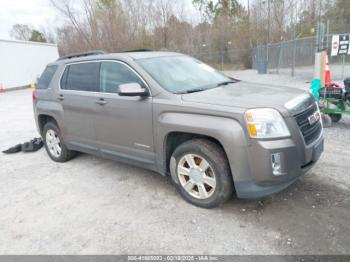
{"x": 182, "y": 74}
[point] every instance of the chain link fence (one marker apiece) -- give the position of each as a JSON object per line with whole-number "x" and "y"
{"x": 228, "y": 60}
{"x": 297, "y": 57}
{"x": 294, "y": 57}
{"x": 286, "y": 54}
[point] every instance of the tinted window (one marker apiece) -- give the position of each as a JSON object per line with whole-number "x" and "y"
{"x": 114, "y": 74}
{"x": 82, "y": 77}
{"x": 46, "y": 77}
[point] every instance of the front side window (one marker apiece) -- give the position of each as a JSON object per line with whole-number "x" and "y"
{"x": 113, "y": 74}
{"x": 46, "y": 77}
{"x": 81, "y": 77}
{"x": 181, "y": 74}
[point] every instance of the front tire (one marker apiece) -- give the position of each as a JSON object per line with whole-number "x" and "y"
{"x": 201, "y": 173}
{"x": 54, "y": 144}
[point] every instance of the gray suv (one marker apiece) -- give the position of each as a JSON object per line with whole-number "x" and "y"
{"x": 177, "y": 116}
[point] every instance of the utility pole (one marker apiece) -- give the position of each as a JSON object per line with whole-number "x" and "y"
{"x": 327, "y": 37}
{"x": 268, "y": 31}
{"x": 250, "y": 37}
{"x": 248, "y": 10}
{"x": 320, "y": 11}
{"x": 294, "y": 40}
{"x": 259, "y": 30}
{"x": 268, "y": 21}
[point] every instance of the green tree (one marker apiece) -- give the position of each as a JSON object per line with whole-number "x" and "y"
{"x": 214, "y": 9}
{"x": 107, "y": 4}
{"x": 37, "y": 36}
{"x": 27, "y": 33}
{"x": 339, "y": 15}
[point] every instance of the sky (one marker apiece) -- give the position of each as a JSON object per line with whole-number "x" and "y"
{"x": 36, "y": 13}
{"x": 32, "y": 12}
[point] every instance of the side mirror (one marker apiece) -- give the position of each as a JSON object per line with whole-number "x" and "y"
{"x": 132, "y": 89}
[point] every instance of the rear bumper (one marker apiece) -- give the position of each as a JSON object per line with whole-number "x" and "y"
{"x": 259, "y": 181}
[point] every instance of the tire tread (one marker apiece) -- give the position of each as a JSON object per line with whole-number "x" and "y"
{"x": 217, "y": 156}
{"x": 66, "y": 154}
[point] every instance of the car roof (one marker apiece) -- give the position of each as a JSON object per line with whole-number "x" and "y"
{"x": 153, "y": 54}
{"x": 124, "y": 55}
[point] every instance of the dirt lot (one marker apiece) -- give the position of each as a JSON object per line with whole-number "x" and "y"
{"x": 96, "y": 206}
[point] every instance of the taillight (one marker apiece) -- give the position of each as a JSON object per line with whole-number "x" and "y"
{"x": 34, "y": 95}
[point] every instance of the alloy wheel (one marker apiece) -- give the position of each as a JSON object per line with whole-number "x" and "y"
{"x": 53, "y": 143}
{"x": 196, "y": 176}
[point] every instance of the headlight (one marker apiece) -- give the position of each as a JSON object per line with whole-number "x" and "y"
{"x": 265, "y": 123}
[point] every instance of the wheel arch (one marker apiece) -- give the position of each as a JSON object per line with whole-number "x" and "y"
{"x": 176, "y": 128}
{"x": 43, "y": 119}
{"x": 175, "y": 138}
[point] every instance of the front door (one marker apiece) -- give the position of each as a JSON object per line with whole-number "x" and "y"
{"x": 124, "y": 127}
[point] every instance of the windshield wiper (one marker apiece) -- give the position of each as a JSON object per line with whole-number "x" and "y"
{"x": 227, "y": 83}
{"x": 190, "y": 91}
{"x": 194, "y": 90}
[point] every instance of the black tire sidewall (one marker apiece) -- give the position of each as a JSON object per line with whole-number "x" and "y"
{"x": 335, "y": 117}
{"x": 217, "y": 160}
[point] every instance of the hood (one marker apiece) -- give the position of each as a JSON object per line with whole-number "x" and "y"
{"x": 251, "y": 95}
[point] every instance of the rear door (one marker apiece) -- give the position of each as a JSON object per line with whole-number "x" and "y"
{"x": 78, "y": 92}
{"x": 124, "y": 127}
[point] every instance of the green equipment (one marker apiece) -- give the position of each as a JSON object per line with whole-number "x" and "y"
{"x": 334, "y": 100}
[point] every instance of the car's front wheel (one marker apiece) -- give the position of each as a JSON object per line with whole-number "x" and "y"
{"x": 54, "y": 145}
{"x": 201, "y": 173}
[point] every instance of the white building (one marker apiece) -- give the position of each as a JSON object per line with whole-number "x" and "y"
{"x": 21, "y": 62}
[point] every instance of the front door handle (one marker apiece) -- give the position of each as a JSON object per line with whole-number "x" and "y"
{"x": 101, "y": 101}
{"x": 60, "y": 97}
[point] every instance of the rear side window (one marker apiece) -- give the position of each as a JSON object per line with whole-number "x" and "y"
{"x": 81, "y": 77}
{"x": 46, "y": 77}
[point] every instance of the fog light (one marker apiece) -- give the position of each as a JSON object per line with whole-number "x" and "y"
{"x": 276, "y": 164}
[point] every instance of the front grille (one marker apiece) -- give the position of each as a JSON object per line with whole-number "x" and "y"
{"x": 310, "y": 132}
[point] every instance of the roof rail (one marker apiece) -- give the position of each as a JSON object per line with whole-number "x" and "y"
{"x": 95, "y": 52}
{"x": 138, "y": 50}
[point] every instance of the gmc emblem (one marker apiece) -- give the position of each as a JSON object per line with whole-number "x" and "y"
{"x": 314, "y": 118}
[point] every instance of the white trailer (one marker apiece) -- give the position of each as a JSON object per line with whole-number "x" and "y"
{"x": 21, "y": 62}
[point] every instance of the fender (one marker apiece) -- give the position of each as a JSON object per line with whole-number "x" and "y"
{"x": 52, "y": 109}
{"x": 227, "y": 131}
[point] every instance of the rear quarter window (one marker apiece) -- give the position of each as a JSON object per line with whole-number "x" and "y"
{"x": 46, "y": 77}
{"x": 64, "y": 78}
{"x": 82, "y": 77}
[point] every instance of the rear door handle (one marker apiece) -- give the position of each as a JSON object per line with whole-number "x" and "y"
{"x": 60, "y": 97}
{"x": 101, "y": 101}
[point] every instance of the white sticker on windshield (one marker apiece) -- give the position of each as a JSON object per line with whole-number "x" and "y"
{"x": 207, "y": 68}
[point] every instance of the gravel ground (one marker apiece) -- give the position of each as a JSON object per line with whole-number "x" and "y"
{"x": 95, "y": 206}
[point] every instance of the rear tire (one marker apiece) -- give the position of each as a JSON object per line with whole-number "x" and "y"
{"x": 201, "y": 173}
{"x": 335, "y": 117}
{"x": 54, "y": 144}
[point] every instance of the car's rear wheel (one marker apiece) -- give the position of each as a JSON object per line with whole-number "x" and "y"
{"x": 200, "y": 171}
{"x": 54, "y": 144}
{"x": 335, "y": 117}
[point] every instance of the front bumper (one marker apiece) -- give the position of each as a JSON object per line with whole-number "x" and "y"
{"x": 296, "y": 159}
